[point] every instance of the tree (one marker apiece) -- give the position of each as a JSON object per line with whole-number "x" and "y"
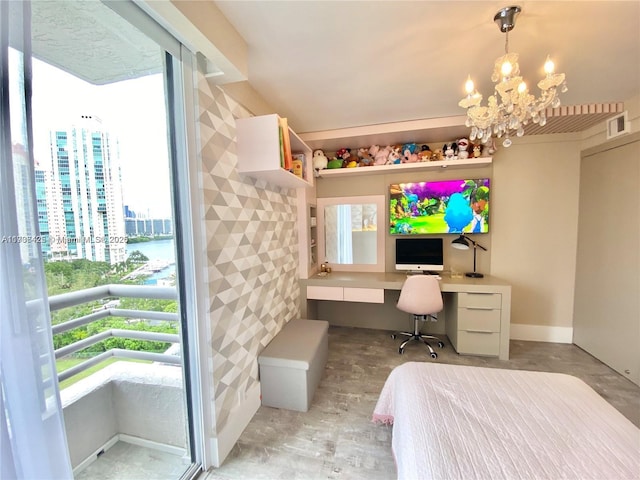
{"x": 137, "y": 257}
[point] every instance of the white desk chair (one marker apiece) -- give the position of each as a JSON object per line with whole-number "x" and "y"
{"x": 420, "y": 296}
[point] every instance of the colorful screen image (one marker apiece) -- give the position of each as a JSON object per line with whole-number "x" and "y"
{"x": 451, "y": 206}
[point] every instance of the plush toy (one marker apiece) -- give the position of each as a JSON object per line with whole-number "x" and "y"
{"x": 364, "y": 157}
{"x": 409, "y": 154}
{"x": 412, "y": 147}
{"x": 394, "y": 156}
{"x": 425, "y": 153}
{"x": 436, "y": 156}
{"x": 380, "y": 155}
{"x": 477, "y": 150}
{"x": 320, "y": 161}
{"x": 334, "y": 163}
{"x": 348, "y": 159}
{"x": 343, "y": 154}
{"x": 463, "y": 145}
{"x": 449, "y": 150}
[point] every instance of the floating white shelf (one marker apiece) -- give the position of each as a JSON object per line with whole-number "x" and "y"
{"x": 419, "y": 166}
{"x": 259, "y": 152}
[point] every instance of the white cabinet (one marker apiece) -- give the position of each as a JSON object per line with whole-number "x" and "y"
{"x": 474, "y": 323}
{"x": 259, "y": 152}
{"x": 364, "y": 295}
{"x": 316, "y": 292}
{"x": 345, "y": 294}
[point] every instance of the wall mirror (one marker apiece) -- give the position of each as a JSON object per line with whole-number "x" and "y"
{"x": 351, "y": 233}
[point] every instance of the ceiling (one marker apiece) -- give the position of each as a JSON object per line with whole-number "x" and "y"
{"x": 87, "y": 39}
{"x": 336, "y": 64}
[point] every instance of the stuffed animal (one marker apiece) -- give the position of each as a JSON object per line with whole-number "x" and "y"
{"x": 380, "y": 155}
{"x": 436, "y": 156}
{"x": 364, "y": 157}
{"x": 463, "y": 145}
{"x": 394, "y": 157}
{"x": 349, "y": 159}
{"x": 409, "y": 154}
{"x": 449, "y": 150}
{"x": 320, "y": 161}
{"x": 343, "y": 154}
{"x": 334, "y": 163}
{"x": 477, "y": 150}
{"x": 425, "y": 153}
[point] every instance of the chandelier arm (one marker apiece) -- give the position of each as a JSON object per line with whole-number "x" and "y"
{"x": 516, "y": 107}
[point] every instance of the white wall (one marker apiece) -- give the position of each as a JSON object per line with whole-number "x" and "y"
{"x": 534, "y": 208}
{"x": 145, "y": 401}
{"x": 596, "y": 135}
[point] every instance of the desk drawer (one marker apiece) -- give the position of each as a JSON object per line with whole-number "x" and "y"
{"x": 479, "y": 319}
{"x": 476, "y": 343}
{"x": 480, "y": 300}
{"x": 316, "y": 292}
{"x": 365, "y": 295}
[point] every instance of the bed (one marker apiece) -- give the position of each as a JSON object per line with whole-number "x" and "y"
{"x": 461, "y": 422}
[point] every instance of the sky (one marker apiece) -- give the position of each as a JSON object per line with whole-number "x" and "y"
{"x": 133, "y": 110}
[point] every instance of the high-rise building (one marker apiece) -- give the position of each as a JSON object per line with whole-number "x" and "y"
{"x": 141, "y": 224}
{"x": 83, "y": 194}
{"x": 28, "y": 245}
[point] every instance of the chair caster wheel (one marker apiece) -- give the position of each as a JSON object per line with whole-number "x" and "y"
{"x": 434, "y": 355}
{"x": 441, "y": 345}
{"x": 401, "y": 351}
{"x": 393, "y": 335}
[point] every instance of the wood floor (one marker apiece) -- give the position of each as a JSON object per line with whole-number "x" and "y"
{"x": 336, "y": 439}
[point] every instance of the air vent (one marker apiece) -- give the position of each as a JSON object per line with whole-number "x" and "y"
{"x": 618, "y": 125}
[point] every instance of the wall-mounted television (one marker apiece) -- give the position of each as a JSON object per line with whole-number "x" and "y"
{"x": 450, "y": 206}
{"x": 419, "y": 254}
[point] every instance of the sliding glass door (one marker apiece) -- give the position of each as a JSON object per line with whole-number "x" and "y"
{"x": 94, "y": 149}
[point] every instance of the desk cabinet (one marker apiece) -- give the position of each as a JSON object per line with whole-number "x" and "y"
{"x": 473, "y": 323}
{"x": 477, "y": 311}
{"x": 346, "y": 294}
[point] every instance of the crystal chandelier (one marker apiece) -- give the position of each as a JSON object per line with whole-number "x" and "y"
{"x": 511, "y": 107}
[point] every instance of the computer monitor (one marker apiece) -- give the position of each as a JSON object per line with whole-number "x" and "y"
{"x": 419, "y": 254}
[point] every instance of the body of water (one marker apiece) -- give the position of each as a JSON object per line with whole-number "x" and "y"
{"x": 157, "y": 250}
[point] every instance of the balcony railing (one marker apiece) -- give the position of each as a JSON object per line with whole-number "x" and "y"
{"x": 80, "y": 297}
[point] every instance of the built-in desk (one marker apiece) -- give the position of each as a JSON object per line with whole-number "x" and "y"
{"x": 477, "y": 311}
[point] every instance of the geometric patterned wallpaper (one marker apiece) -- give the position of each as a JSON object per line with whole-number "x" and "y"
{"x": 252, "y": 253}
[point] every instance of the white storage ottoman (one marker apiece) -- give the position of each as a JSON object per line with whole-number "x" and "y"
{"x": 292, "y": 364}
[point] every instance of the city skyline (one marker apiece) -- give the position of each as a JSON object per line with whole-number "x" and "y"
{"x": 79, "y": 197}
{"x": 132, "y": 110}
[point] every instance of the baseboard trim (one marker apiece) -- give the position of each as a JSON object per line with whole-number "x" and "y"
{"x": 94, "y": 456}
{"x": 239, "y": 418}
{"x": 122, "y": 437}
{"x": 161, "y": 447}
{"x": 541, "y": 333}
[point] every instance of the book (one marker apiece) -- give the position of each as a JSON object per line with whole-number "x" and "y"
{"x": 280, "y": 133}
{"x": 286, "y": 142}
{"x": 299, "y": 165}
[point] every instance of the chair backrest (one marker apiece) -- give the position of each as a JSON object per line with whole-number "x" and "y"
{"x": 420, "y": 295}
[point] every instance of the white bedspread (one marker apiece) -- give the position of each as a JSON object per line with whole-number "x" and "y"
{"x": 459, "y": 422}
